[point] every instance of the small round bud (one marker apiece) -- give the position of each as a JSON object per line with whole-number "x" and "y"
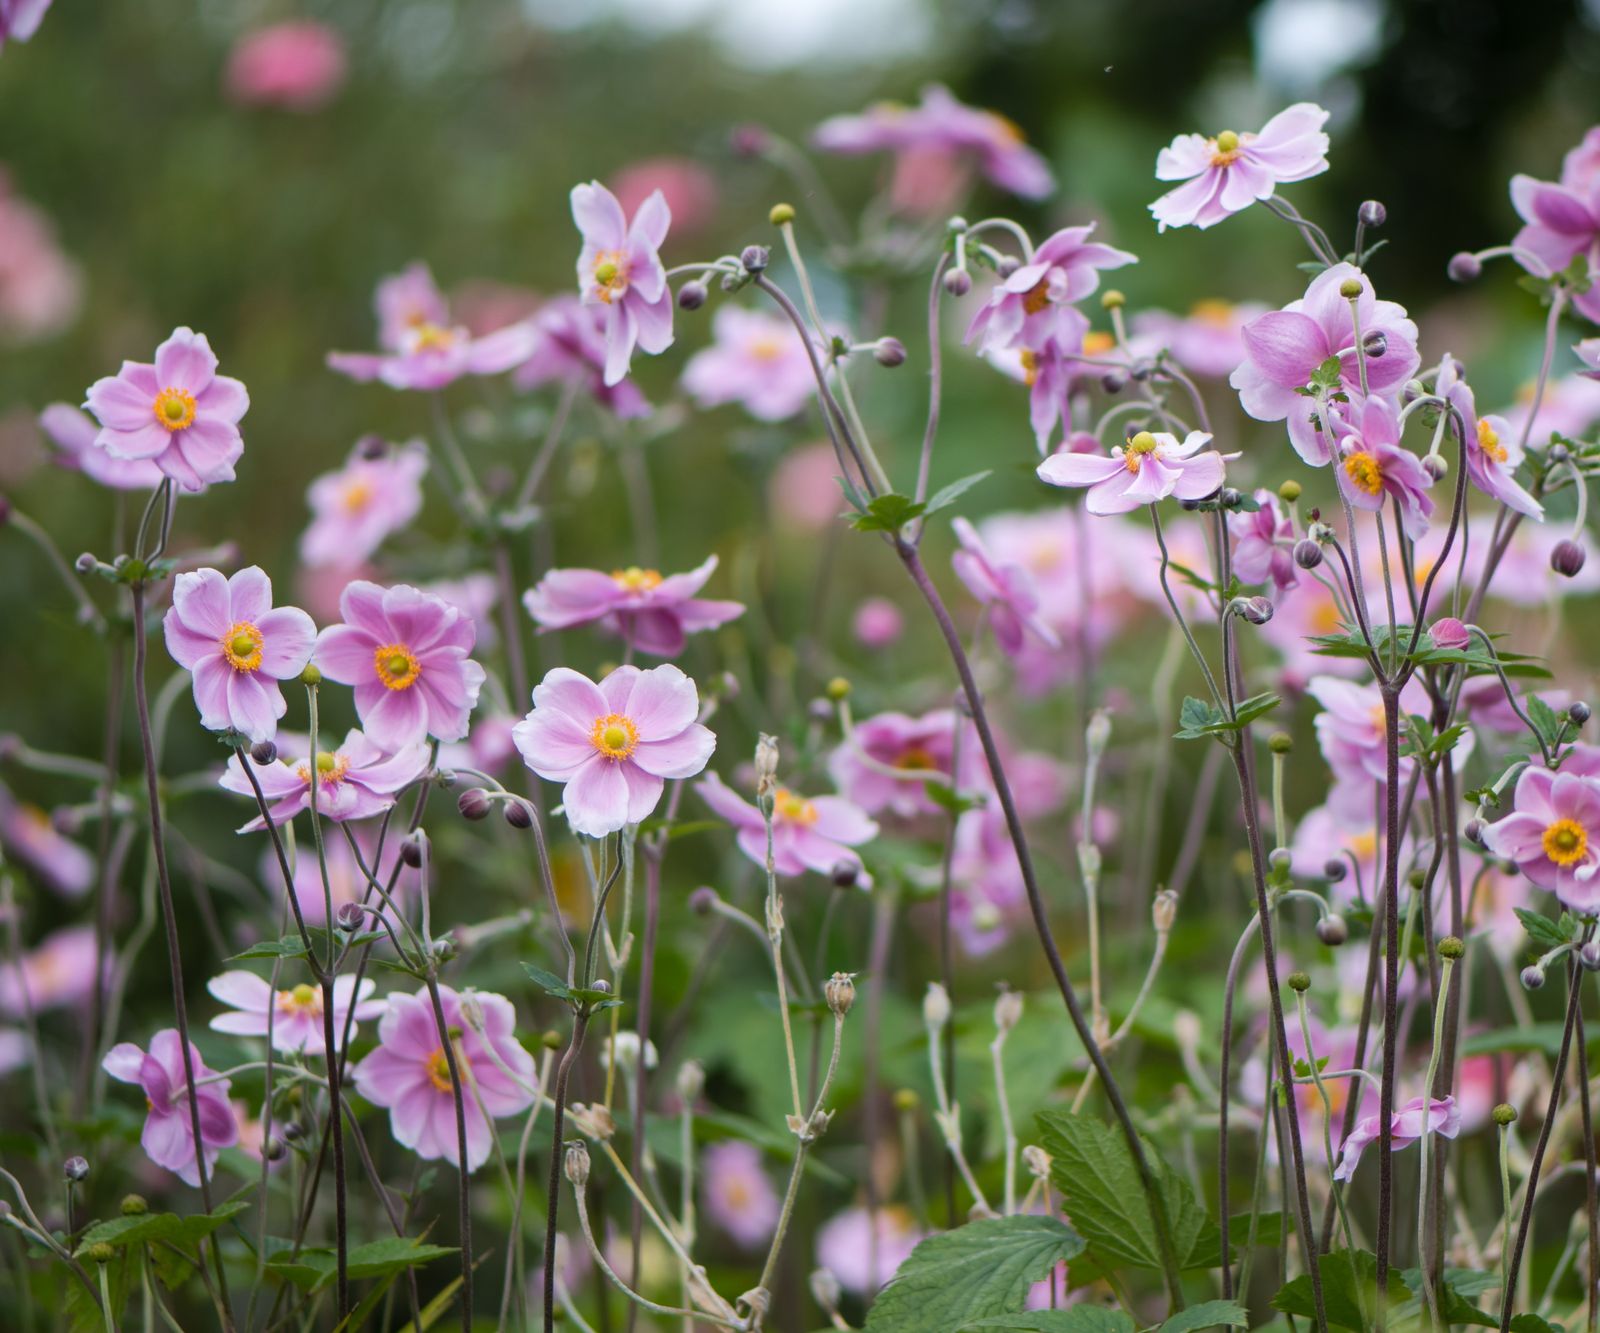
{"x": 575, "y": 1165}
{"x": 1164, "y": 910}
{"x": 749, "y": 140}
{"x": 411, "y": 848}
{"x": 1416, "y": 878}
{"x": 600, "y": 984}
{"x": 1464, "y": 267}
{"x": 755, "y": 258}
{"x": 936, "y": 1006}
{"x": 517, "y": 815}
{"x": 85, "y": 563}
{"x": 1350, "y": 288}
{"x": 1299, "y": 981}
{"x": 1532, "y": 977}
{"x": 1473, "y": 832}
{"x": 1307, "y": 553}
{"x": 1557, "y": 453}
{"x": 75, "y": 1169}
{"x": 264, "y": 752}
{"x": 294, "y": 1131}
{"x": 1280, "y": 858}
{"x": 1504, "y": 1114}
{"x": 691, "y": 1081}
{"x": 350, "y": 916}
{"x": 551, "y": 1040}
{"x": 1007, "y": 265}
{"x": 1114, "y": 381}
{"x": 840, "y": 992}
{"x": 1230, "y": 497}
{"x": 956, "y": 225}
{"x": 133, "y": 1205}
{"x": 703, "y": 900}
{"x": 1437, "y": 466}
{"x": 1334, "y": 869}
{"x": 473, "y": 803}
{"x": 1451, "y": 946}
{"x": 1257, "y": 610}
{"x": 102, "y": 1253}
{"x": 1567, "y": 558}
{"x": 819, "y": 710}
{"x": 1589, "y": 956}
{"x": 958, "y": 282}
{"x": 273, "y": 1148}
{"x": 1280, "y": 742}
{"x": 1375, "y": 344}
{"x": 692, "y": 295}
{"x": 906, "y": 1099}
{"x": 1332, "y": 930}
{"x": 889, "y": 352}
{"x": 1578, "y": 713}
{"x": 845, "y": 873}
{"x": 1372, "y": 213}
{"x": 1289, "y": 491}
{"x": 1112, "y": 299}
{"x": 310, "y": 675}
{"x": 372, "y": 447}
{"x": 838, "y": 688}
{"x": 780, "y": 214}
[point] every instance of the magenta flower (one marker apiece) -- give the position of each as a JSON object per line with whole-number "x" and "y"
{"x": 944, "y": 124}
{"x": 1373, "y": 468}
{"x": 422, "y": 349}
{"x": 409, "y": 1073}
{"x": 179, "y": 412}
{"x": 808, "y": 832}
{"x": 27, "y": 833}
{"x": 1005, "y": 590}
{"x": 614, "y": 743}
{"x": 1553, "y": 834}
{"x": 756, "y": 360}
{"x": 406, "y": 654}
{"x": 1037, "y": 303}
{"x": 355, "y": 508}
{"x": 652, "y": 613}
{"x": 354, "y": 781}
{"x": 1208, "y": 341}
{"x": 226, "y": 633}
{"x": 1284, "y": 348}
{"x": 570, "y": 347}
{"x": 1493, "y": 450}
{"x": 73, "y": 432}
{"x": 297, "y": 65}
{"x": 296, "y": 1013}
{"x": 20, "y": 19}
{"x": 900, "y": 744}
{"x": 1228, "y": 173}
{"x": 619, "y": 269}
{"x": 1407, "y": 1124}
{"x": 1150, "y": 467}
{"x": 57, "y": 973}
{"x": 739, "y": 1197}
{"x": 1562, "y": 219}
{"x": 1263, "y": 543}
{"x": 168, "y": 1137}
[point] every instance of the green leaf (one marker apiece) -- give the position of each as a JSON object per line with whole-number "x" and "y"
{"x": 1208, "y": 1314}
{"x": 982, "y": 1268}
{"x": 548, "y": 982}
{"x": 888, "y": 513}
{"x": 1198, "y": 719}
{"x": 170, "y": 1227}
{"x": 1531, "y": 1323}
{"x": 1548, "y": 725}
{"x": 1459, "y": 1285}
{"x": 1078, "y": 1319}
{"x": 1339, "y": 1289}
{"x": 947, "y": 798}
{"x": 290, "y": 946}
{"x": 1545, "y": 933}
{"x": 1327, "y": 375}
{"x": 948, "y": 495}
{"x": 314, "y": 1269}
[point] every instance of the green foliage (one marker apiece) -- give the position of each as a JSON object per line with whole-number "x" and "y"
{"x": 1077, "y": 1319}
{"x": 1347, "y": 1289}
{"x": 1198, "y": 719}
{"x": 313, "y": 1269}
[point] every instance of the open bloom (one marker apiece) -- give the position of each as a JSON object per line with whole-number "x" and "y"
{"x": 168, "y": 1137}
{"x": 614, "y": 744}
{"x": 942, "y": 124}
{"x": 1038, "y": 301}
{"x": 570, "y": 346}
{"x": 178, "y": 412}
{"x": 1372, "y": 467}
{"x": 406, "y": 654}
{"x": 652, "y": 613}
{"x": 227, "y": 634}
{"x": 297, "y": 1013}
{"x": 901, "y": 744}
{"x": 1562, "y": 219}
{"x": 1263, "y": 542}
{"x": 1553, "y": 834}
{"x": 1408, "y": 1124}
{"x": 618, "y": 268}
{"x": 1005, "y": 590}
{"x": 1350, "y": 730}
{"x": 756, "y": 360}
{"x": 1493, "y": 450}
{"x": 73, "y": 432}
{"x": 353, "y": 781}
{"x": 1283, "y": 348}
{"x": 808, "y": 832}
{"x": 27, "y": 833}
{"x": 1150, "y": 467}
{"x": 1228, "y": 173}
{"x": 422, "y": 348}
{"x": 297, "y": 65}
{"x": 410, "y": 1074}
{"x": 58, "y": 972}
{"x": 355, "y": 508}
{"x": 739, "y": 1197}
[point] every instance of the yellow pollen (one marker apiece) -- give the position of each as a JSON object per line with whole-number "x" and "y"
{"x": 1037, "y": 297}
{"x": 1212, "y": 310}
{"x": 765, "y": 348}
{"x": 1365, "y": 472}
{"x": 795, "y": 809}
{"x": 1325, "y": 619}
{"x": 1489, "y": 441}
{"x": 439, "y": 1069}
{"x": 397, "y": 666}
{"x": 916, "y": 760}
{"x": 614, "y": 735}
{"x": 242, "y": 646}
{"x": 303, "y": 999}
{"x": 1030, "y": 366}
{"x": 1364, "y": 846}
{"x": 610, "y": 274}
{"x": 331, "y": 768}
{"x": 1565, "y": 842}
{"x": 635, "y": 579}
{"x": 174, "y": 409}
{"x": 425, "y": 335}
{"x": 357, "y": 495}
{"x": 1098, "y": 342}
{"x": 1224, "y": 149}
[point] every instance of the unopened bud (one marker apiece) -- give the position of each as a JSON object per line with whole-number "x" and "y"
{"x": 601, "y": 985}
{"x": 1451, "y": 946}
{"x": 1332, "y": 930}
{"x": 1007, "y": 1010}
{"x": 1532, "y": 977}
{"x": 1007, "y": 265}
{"x": 1578, "y": 713}
{"x": 1280, "y": 858}
{"x": 1437, "y": 466}
{"x": 133, "y": 1205}
{"x": 1230, "y": 497}
{"x": 575, "y": 1165}
{"x": 1257, "y": 610}
{"x": 691, "y": 1081}
{"x": 372, "y": 447}
{"x": 1289, "y": 491}
{"x": 1280, "y": 742}
{"x": 906, "y": 1100}
{"x": 1589, "y": 956}
{"x": 264, "y": 752}
{"x": 936, "y": 1006}
{"x": 85, "y": 563}
{"x": 780, "y": 214}
{"x": 1375, "y": 344}
{"x": 473, "y": 803}
{"x": 1504, "y": 1114}
{"x": 75, "y": 1169}
{"x": 102, "y": 1253}
{"x": 1164, "y": 911}
{"x": 1372, "y": 213}
{"x": 1334, "y": 869}
{"x": 766, "y": 765}
{"x": 890, "y": 352}
{"x": 1307, "y": 553}
{"x": 958, "y": 282}
{"x": 411, "y": 846}
{"x": 1557, "y": 453}
{"x": 350, "y": 916}
{"x": 273, "y": 1148}
{"x": 1473, "y": 832}
{"x": 1567, "y": 558}
{"x": 1299, "y": 981}
{"x": 1448, "y": 632}
{"x": 310, "y": 675}
{"x": 703, "y": 900}
{"x": 755, "y": 258}
{"x": 692, "y": 295}
{"x": 846, "y": 874}
{"x": 1350, "y": 288}
{"x": 1464, "y": 267}
{"x": 517, "y": 815}
{"x": 1112, "y": 299}
{"x": 840, "y": 992}
{"x": 1114, "y": 381}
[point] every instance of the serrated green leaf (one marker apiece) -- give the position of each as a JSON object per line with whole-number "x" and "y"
{"x": 1208, "y": 1314}
{"x": 1342, "y": 1298}
{"x": 1545, "y": 933}
{"x": 1076, "y": 1319}
{"x": 888, "y": 513}
{"x": 946, "y": 496}
{"x": 290, "y": 946}
{"x": 170, "y": 1227}
{"x": 1455, "y": 1294}
{"x": 548, "y": 982}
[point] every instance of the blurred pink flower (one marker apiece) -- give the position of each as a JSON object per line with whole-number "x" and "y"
{"x": 739, "y": 1197}
{"x": 355, "y": 780}
{"x": 58, "y": 972}
{"x": 804, "y": 489}
{"x": 756, "y": 360}
{"x": 1208, "y": 341}
{"x": 27, "y": 834}
{"x": 1003, "y": 588}
{"x": 366, "y": 500}
{"x": 845, "y": 1246}
{"x": 483, "y": 305}
{"x": 619, "y": 269}
{"x": 570, "y": 346}
{"x": 297, "y": 1024}
{"x": 168, "y": 1137}
{"x": 1350, "y": 728}
{"x": 298, "y": 65}
{"x": 319, "y": 587}
{"x": 877, "y": 623}
{"x": 1230, "y": 172}
{"x": 1408, "y": 1124}
{"x": 73, "y": 431}
{"x": 20, "y": 19}
{"x": 690, "y": 191}
{"x": 651, "y": 613}
{"x": 913, "y": 746}
{"x": 41, "y": 289}
{"x": 475, "y": 595}
{"x": 1262, "y": 544}
{"x": 928, "y": 182}
{"x": 1562, "y": 219}
{"x": 1571, "y": 404}
{"x": 808, "y": 833}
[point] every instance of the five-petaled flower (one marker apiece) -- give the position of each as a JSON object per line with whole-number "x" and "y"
{"x": 619, "y": 269}
{"x": 1373, "y": 469}
{"x": 1231, "y": 171}
{"x": 355, "y": 508}
{"x": 1037, "y": 303}
{"x": 1553, "y": 834}
{"x": 354, "y": 780}
{"x": 168, "y": 1137}
{"x": 1150, "y": 467}
{"x": 296, "y": 1015}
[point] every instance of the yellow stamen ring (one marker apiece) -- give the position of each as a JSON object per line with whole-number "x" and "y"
{"x": 614, "y": 735}
{"x": 242, "y": 645}
{"x": 1566, "y": 842}
{"x": 397, "y": 666}
{"x": 174, "y": 409}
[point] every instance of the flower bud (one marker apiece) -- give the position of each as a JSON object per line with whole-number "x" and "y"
{"x": 1448, "y": 632}
{"x": 473, "y": 803}
{"x": 840, "y": 992}
{"x": 293, "y": 1131}
{"x": 264, "y": 752}
{"x": 273, "y": 1148}
{"x": 1257, "y": 610}
{"x": 1280, "y": 742}
{"x": 85, "y": 563}
{"x": 1114, "y": 381}
{"x": 749, "y": 140}
{"x": 1437, "y": 466}
{"x": 1578, "y": 713}
{"x": 575, "y": 1165}
{"x": 766, "y": 765}
{"x": 936, "y": 1006}
{"x": 1451, "y": 946}
{"x": 1289, "y": 491}
{"x": 1230, "y": 497}
{"x": 1372, "y": 213}
{"x": 693, "y": 294}
{"x": 889, "y": 352}
{"x": 411, "y": 846}
{"x": 1557, "y": 453}
{"x": 1112, "y": 299}
{"x": 1307, "y": 553}
{"x": 1350, "y": 288}
{"x": 1589, "y": 956}
{"x": 1280, "y": 858}
{"x": 1504, "y": 1114}
{"x": 1472, "y": 831}
{"x": 958, "y": 282}
{"x": 551, "y": 1040}
{"x": 1007, "y": 265}
{"x": 133, "y": 1205}
{"x": 1532, "y": 977}
{"x": 102, "y": 1253}
{"x": 1464, "y": 267}
{"x": 372, "y": 447}
{"x": 906, "y": 1100}
{"x": 1375, "y": 344}
{"x": 703, "y": 900}
{"x": 1097, "y": 735}
{"x": 1007, "y": 1010}
{"x": 691, "y": 1081}
{"x": 517, "y": 815}
{"x": 780, "y": 214}
{"x": 1164, "y": 910}
{"x": 838, "y": 688}
{"x": 310, "y": 675}
{"x": 1332, "y": 930}
{"x": 75, "y": 1169}
{"x": 1334, "y": 869}
{"x": 845, "y": 873}
{"x": 601, "y": 985}
{"x": 755, "y": 258}
{"x": 1299, "y": 982}
{"x": 1567, "y": 558}
{"x": 350, "y": 916}
{"x": 825, "y": 1290}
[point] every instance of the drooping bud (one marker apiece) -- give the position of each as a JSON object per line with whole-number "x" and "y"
{"x": 1472, "y": 831}
{"x": 1332, "y": 930}
{"x": 1334, "y": 869}
{"x": 1567, "y": 558}
{"x": 958, "y": 282}
{"x": 1448, "y": 632}
{"x": 703, "y": 900}
{"x": 1007, "y": 265}
{"x": 840, "y": 992}
{"x": 474, "y": 803}
{"x": 693, "y": 294}
{"x": 1372, "y": 213}
{"x": 517, "y": 815}
{"x": 1589, "y": 956}
{"x": 1307, "y": 553}
{"x": 85, "y": 563}
{"x": 755, "y": 258}
{"x": 889, "y": 352}
{"x": 936, "y": 1006}
{"x": 1532, "y": 977}
{"x": 372, "y": 447}
{"x": 1437, "y": 466}
{"x": 1464, "y": 267}
{"x": 273, "y": 1148}
{"x": 412, "y": 849}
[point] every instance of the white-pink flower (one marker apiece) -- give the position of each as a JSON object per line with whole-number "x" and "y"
{"x": 1150, "y": 467}
{"x": 1408, "y": 1124}
{"x": 1231, "y": 171}
{"x": 297, "y": 1013}
{"x": 619, "y": 269}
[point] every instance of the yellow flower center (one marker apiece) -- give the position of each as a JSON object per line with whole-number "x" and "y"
{"x": 303, "y": 999}
{"x": 439, "y": 1069}
{"x": 795, "y": 809}
{"x": 766, "y": 348}
{"x": 1325, "y": 618}
{"x": 916, "y": 760}
{"x": 356, "y": 495}
{"x": 1037, "y": 297}
{"x": 611, "y": 274}
{"x": 1213, "y": 311}
{"x": 1565, "y": 842}
{"x": 425, "y": 335}
{"x": 397, "y": 666}
{"x": 1365, "y": 472}
{"x": 174, "y": 409}
{"x": 635, "y": 579}
{"x": 1364, "y": 846}
{"x": 614, "y": 735}
{"x": 1098, "y": 343}
{"x": 1030, "y": 366}
{"x": 1224, "y": 149}
{"x": 1489, "y": 441}
{"x": 331, "y": 768}
{"x": 242, "y": 646}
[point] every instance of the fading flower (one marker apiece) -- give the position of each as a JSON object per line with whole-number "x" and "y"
{"x": 1408, "y": 1124}
{"x": 168, "y": 1137}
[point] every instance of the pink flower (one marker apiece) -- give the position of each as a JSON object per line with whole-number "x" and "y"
{"x": 941, "y": 122}
{"x": 225, "y": 632}
{"x": 808, "y": 833}
{"x": 1373, "y": 468}
{"x": 474, "y": 595}
{"x": 739, "y": 1197}
{"x": 59, "y": 972}
{"x": 168, "y": 1137}
{"x": 1284, "y": 348}
{"x": 652, "y": 613}
{"x": 1571, "y": 404}
{"x": 20, "y": 19}
{"x": 1448, "y": 632}
{"x": 914, "y": 746}
{"x": 1343, "y": 828}
{"x": 1553, "y": 834}
{"x": 756, "y": 360}
{"x": 178, "y": 412}
{"x": 297, "y": 1022}
{"x": 1493, "y": 451}
{"x": 27, "y": 834}
{"x": 845, "y": 1246}
{"x": 570, "y": 346}
{"x": 1005, "y": 590}
{"x": 877, "y": 623}
{"x": 1262, "y": 544}
{"x": 73, "y": 432}
{"x": 1230, "y": 172}
{"x": 1406, "y": 1125}
{"x": 406, "y": 654}
{"x": 409, "y": 1072}
{"x": 295, "y": 65}
{"x": 1562, "y": 220}
{"x": 41, "y": 289}
{"x": 1483, "y": 701}
{"x": 1208, "y": 341}
{"x": 618, "y": 268}
{"x": 1350, "y": 729}
{"x": 1150, "y": 467}
{"x": 804, "y": 490}
{"x": 689, "y": 189}
{"x": 355, "y": 508}
{"x": 1052, "y": 374}
{"x": 1037, "y": 303}
{"x": 354, "y": 781}
{"x": 422, "y": 349}
{"x": 614, "y": 743}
